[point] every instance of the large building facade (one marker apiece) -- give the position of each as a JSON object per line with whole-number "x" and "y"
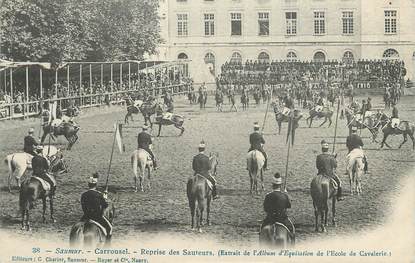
{"x": 216, "y": 31}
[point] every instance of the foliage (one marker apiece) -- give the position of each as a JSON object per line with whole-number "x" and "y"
{"x": 73, "y": 30}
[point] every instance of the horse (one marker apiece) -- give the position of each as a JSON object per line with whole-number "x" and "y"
{"x": 199, "y": 194}
{"x": 405, "y": 128}
{"x": 67, "y": 129}
{"x": 369, "y": 122}
{"x": 202, "y": 99}
{"x": 170, "y": 119}
{"x": 255, "y": 162}
{"x": 355, "y": 170}
{"x": 275, "y": 235}
{"x": 88, "y": 234}
{"x": 141, "y": 158}
{"x": 148, "y": 109}
{"x": 280, "y": 118}
{"x": 326, "y": 113}
{"x": 322, "y": 190}
{"x": 32, "y": 190}
{"x": 133, "y": 107}
{"x": 18, "y": 163}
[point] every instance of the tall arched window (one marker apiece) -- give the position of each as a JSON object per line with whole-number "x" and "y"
{"x": 291, "y": 56}
{"x": 263, "y": 57}
{"x": 391, "y": 54}
{"x": 236, "y": 58}
{"x": 348, "y": 57}
{"x": 183, "y": 56}
{"x": 319, "y": 57}
{"x": 210, "y": 61}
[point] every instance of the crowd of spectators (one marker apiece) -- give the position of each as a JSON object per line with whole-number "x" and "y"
{"x": 279, "y": 72}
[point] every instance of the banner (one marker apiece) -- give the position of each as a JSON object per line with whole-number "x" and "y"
{"x": 118, "y": 137}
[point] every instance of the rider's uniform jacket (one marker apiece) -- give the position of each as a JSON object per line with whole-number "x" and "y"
{"x": 256, "y": 140}
{"x": 201, "y": 164}
{"x": 93, "y": 204}
{"x": 39, "y": 165}
{"x": 353, "y": 141}
{"x": 276, "y": 204}
{"x": 288, "y": 102}
{"x": 326, "y": 164}
{"x": 29, "y": 143}
{"x": 144, "y": 140}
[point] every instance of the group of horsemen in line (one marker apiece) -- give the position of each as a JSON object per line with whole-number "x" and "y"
{"x": 276, "y": 202}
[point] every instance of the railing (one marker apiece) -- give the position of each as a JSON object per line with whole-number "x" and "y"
{"x": 22, "y": 110}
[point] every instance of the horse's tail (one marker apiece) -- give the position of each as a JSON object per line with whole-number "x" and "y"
{"x": 253, "y": 163}
{"x": 9, "y": 161}
{"x": 134, "y": 163}
{"x": 26, "y": 197}
{"x": 325, "y": 191}
{"x": 76, "y": 235}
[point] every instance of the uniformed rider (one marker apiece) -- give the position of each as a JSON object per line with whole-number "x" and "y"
{"x": 288, "y": 103}
{"x": 276, "y": 204}
{"x": 395, "y": 116}
{"x": 93, "y": 205}
{"x": 256, "y": 139}
{"x": 144, "y": 141}
{"x": 326, "y": 165}
{"x": 30, "y": 143}
{"x": 201, "y": 165}
{"x": 40, "y": 167}
{"x": 354, "y": 141}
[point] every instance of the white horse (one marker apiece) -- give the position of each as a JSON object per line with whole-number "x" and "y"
{"x": 19, "y": 163}
{"x": 255, "y": 163}
{"x": 355, "y": 168}
{"x": 141, "y": 158}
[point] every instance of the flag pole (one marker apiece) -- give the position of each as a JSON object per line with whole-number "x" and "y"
{"x": 112, "y": 153}
{"x": 290, "y": 134}
{"x": 266, "y": 113}
{"x": 335, "y": 126}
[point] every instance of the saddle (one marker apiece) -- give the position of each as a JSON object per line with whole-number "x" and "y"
{"x": 46, "y": 186}
{"x": 167, "y": 116}
{"x": 333, "y": 182}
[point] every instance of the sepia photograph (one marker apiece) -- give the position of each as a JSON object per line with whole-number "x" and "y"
{"x": 207, "y": 131}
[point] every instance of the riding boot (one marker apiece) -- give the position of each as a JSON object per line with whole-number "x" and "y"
{"x": 339, "y": 194}
{"x": 266, "y": 164}
{"x": 366, "y": 169}
{"x": 214, "y": 192}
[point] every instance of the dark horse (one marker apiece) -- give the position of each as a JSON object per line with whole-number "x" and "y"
{"x": 280, "y": 118}
{"x": 32, "y": 189}
{"x": 325, "y": 113}
{"x": 88, "y": 234}
{"x": 132, "y": 108}
{"x": 173, "y": 119}
{"x": 199, "y": 194}
{"x": 405, "y": 128}
{"x": 322, "y": 190}
{"x": 275, "y": 235}
{"x": 67, "y": 129}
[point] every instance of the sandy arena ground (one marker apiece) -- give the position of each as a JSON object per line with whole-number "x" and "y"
{"x": 236, "y": 215}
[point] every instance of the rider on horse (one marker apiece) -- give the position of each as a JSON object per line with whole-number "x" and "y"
{"x": 276, "y": 204}
{"x": 256, "y": 139}
{"x": 144, "y": 142}
{"x": 93, "y": 205}
{"x": 30, "y": 143}
{"x": 201, "y": 165}
{"x": 46, "y": 115}
{"x": 395, "y": 117}
{"x": 326, "y": 165}
{"x": 288, "y": 104}
{"x": 354, "y": 144}
{"x": 40, "y": 167}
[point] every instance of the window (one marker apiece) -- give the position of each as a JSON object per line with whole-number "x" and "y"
{"x": 183, "y": 56}
{"x": 236, "y": 24}
{"x": 291, "y": 22}
{"x": 390, "y": 21}
{"x": 263, "y": 57}
{"x": 182, "y": 26}
{"x": 209, "y": 24}
{"x": 210, "y": 61}
{"x": 319, "y": 23}
{"x": 391, "y": 54}
{"x": 236, "y": 58}
{"x": 348, "y": 23}
{"x": 348, "y": 57}
{"x": 291, "y": 56}
{"x": 319, "y": 57}
{"x": 263, "y": 22}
